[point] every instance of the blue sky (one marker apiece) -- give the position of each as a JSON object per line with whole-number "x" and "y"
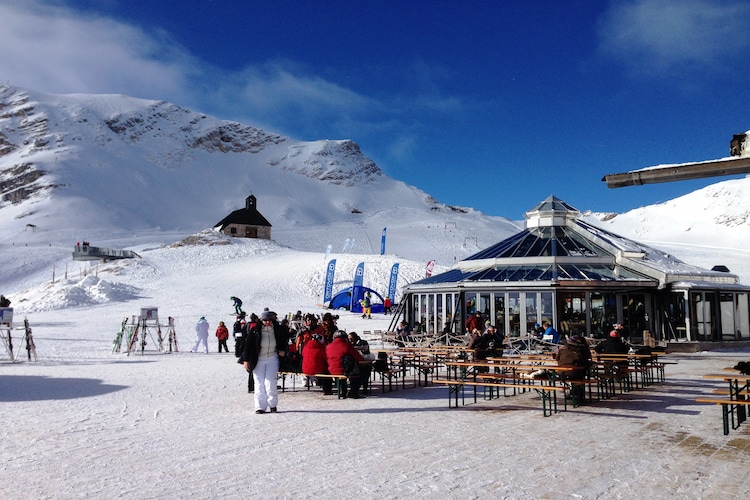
{"x": 489, "y": 104}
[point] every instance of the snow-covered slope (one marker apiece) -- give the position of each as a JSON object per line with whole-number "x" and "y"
{"x": 708, "y": 227}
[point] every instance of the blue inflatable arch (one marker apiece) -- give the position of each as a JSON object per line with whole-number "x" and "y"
{"x": 343, "y": 299}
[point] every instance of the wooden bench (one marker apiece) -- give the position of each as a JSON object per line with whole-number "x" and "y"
{"x": 734, "y": 409}
{"x": 547, "y": 393}
{"x": 293, "y": 377}
{"x": 338, "y": 379}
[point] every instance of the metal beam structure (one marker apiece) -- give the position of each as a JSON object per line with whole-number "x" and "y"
{"x": 679, "y": 172}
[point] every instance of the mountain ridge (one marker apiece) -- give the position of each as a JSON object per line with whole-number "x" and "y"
{"x": 126, "y": 165}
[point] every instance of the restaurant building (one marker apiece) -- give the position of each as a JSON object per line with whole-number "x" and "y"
{"x": 582, "y": 279}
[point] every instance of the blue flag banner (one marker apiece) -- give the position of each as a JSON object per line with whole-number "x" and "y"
{"x": 359, "y": 276}
{"x": 328, "y": 290}
{"x": 382, "y": 243}
{"x": 329, "y": 248}
{"x": 392, "y": 283}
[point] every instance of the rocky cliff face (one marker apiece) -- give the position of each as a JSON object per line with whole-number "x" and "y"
{"x": 22, "y": 131}
{"x": 32, "y": 131}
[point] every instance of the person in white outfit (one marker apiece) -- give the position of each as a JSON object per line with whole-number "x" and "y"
{"x": 265, "y": 343}
{"x": 201, "y": 335}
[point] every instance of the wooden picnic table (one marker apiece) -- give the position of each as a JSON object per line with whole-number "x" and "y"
{"x": 470, "y": 376}
{"x": 734, "y": 409}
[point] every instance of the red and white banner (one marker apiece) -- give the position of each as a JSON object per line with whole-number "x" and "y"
{"x": 430, "y": 267}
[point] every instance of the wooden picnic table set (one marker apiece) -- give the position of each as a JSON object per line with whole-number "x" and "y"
{"x": 516, "y": 374}
{"x": 734, "y": 405}
{"x": 457, "y": 368}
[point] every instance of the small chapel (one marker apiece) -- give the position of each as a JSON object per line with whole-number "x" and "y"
{"x": 246, "y": 222}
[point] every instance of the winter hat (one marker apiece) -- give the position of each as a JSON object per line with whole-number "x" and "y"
{"x": 614, "y": 334}
{"x": 340, "y": 334}
{"x": 266, "y": 316}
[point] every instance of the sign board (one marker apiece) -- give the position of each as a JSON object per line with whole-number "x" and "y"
{"x": 150, "y": 314}
{"x": 6, "y": 315}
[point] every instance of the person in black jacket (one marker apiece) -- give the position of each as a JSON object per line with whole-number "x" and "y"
{"x": 266, "y": 342}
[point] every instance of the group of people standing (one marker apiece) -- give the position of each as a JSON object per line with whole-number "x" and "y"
{"x": 266, "y": 345}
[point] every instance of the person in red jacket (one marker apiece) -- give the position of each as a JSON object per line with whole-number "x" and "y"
{"x": 222, "y": 333}
{"x": 314, "y": 361}
{"x": 343, "y": 359}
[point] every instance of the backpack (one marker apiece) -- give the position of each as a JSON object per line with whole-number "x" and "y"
{"x": 349, "y": 365}
{"x": 292, "y": 362}
{"x": 381, "y": 364}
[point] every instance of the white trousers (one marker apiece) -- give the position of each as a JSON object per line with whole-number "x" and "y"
{"x": 265, "y": 376}
{"x": 198, "y": 340}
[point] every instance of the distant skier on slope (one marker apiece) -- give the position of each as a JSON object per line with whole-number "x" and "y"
{"x": 237, "y": 305}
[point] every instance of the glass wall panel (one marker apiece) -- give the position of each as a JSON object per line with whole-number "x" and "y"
{"x": 726, "y": 313}
{"x": 675, "y": 325}
{"x": 420, "y": 327}
{"x": 546, "y": 310}
{"x": 471, "y": 303}
{"x": 572, "y": 307}
{"x": 440, "y": 323}
{"x": 500, "y": 312}
{"x": 701, "y": 315}
{"x": 514, "y": 313}
{"x": 532, "y": 311}
{"x": 485, "y": 308}
{"x": 603, "y": 313}
{"x": 742, "y": 315}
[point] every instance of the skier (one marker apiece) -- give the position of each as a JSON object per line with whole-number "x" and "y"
{"x": 237, "y": 305}
{"x": 201, "y": 335}
{"x": 366, "y": 306}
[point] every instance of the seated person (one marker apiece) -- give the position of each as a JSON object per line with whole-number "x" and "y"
{"x": 538, "y": 331}
{"x": 315, "y": 361}
{"x": 612, "y": 344}
{"x": 575, "y": 352}
{"x": 365, "y": 369}
{"x": 403, "y": 333}
{"x": 477, "y": 343}
{"x": 494, "y": 340}
{"x": 550, "y": 334}
{"x": 340, "y": 353}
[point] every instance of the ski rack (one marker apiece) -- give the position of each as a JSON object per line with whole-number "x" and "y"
{"x": 137, "y": 333}
{"x": 6, "y": 335}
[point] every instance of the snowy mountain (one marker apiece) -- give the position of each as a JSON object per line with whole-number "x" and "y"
{"x": 127, "y": 166}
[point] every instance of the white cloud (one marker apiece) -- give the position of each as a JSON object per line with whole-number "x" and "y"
{"x": 657, "y": 37}
{"x": 57, "y": 50}
{"x": 60, "y": 50}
